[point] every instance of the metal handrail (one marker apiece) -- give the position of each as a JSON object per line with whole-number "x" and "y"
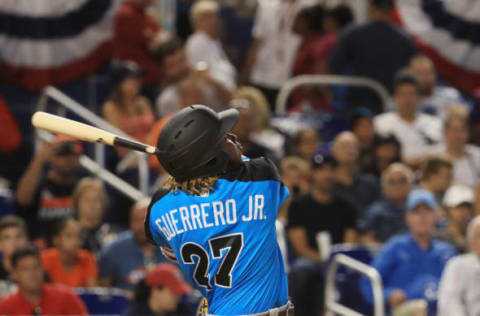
{"x": 68, "y": 103}
{"x": 96, "y": 169}
{"x": 332, "y": 306}
{"x": 292, "y": 83}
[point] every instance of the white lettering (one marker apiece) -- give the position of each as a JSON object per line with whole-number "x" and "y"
{"x": 259, "y": 202}
{"x": 165, "y": 233}
{"x": 185, "y": 218}
{"x": 231, "y": 210}
{"x": 175, "y": 221}
{"x": 250, "y": 210}
{"x": 218, "y": 212}
{"x": 205, "y": 215}
{"x": 195, "y": 212}
{"x": 166, "y": 226}
{"x": 169, "y": 221}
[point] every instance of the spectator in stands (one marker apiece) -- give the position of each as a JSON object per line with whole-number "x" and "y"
{"x": 362, "y": 127}
{"x": 66, "y": 263}
{"x": 318, "y": 28}
{"x": 136, "y": 31}
{"x": 44, "y": 197}
{"x": 458, "y": 203}
{"x": 434, "y": 99}
{"x": 126, "y": 108}
{"x": 358, "y": 53}
{"x": 34, "y": 296}
{"x": 160, "y": 292}
{"x": 137, "y": 254}
{"x": 172, "y": 56}
{"x": 319, "y": 211}
{"x": 386, "y": 150}
{"x": 89, "y": 202}
{"x": 190, "y": 91}
{"x": 13, "y": 235}
{"x": 459, "y": 291}
{"x": 437, "y": 175}
{"x": 306, "y": 143}
{"x": 411, "y": 265}
{"x": 244, "y": 129}
{"x": 386, "y": 217}
{"x": 203, "y": 47}
{"x": 360, "y": 189}
{"x": 309, "y": 59}
{"x": 294, "y": 173}
{"x": 263, "y": 133}
{"x": 272, "y": 52}
{"x": 465, "y": 157}
{"x": 416, "y": 131}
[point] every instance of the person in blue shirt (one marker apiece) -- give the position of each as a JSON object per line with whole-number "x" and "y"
{"x": 386, "y": 217}
{"x": 216, "y": 215}
{"x": 411, "y": 265}
{"x": 126, "y": 260}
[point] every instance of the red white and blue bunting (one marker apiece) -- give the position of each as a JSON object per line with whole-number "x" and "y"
{"x": 53, "y": 42}
{"x": 448, "y": 31}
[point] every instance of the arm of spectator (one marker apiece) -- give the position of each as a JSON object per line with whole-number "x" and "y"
{"x": 298, "y": 238}
{"x": 30, "y": 180}
{"x": 223, "y": 93}
{"x": 385, "y": 262}
{"x": 106, "y": 268}
{"x": 110, "y": 114}
{"x": 250, "y": 61}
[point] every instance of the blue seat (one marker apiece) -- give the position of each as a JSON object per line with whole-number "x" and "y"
{"x": 346, "y": 280}
{"x": 101, "y": 301}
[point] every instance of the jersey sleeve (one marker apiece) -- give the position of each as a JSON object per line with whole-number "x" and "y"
{"x": 263, "y": 169}
{"x": 152, "y": 233}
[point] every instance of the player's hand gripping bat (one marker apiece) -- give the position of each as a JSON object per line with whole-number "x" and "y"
{"x": 59, "y": 125}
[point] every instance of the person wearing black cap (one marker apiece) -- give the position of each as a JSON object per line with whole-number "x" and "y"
{"x": 216, "y": 215}
{"x": 316, "y": 212}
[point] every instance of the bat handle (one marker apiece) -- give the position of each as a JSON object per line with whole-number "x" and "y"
{"x": 123, "y": 142}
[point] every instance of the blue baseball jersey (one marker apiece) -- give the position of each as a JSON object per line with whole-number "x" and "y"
{"x": 225, "y": 241}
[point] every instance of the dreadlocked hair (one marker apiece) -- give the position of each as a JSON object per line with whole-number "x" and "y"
{"x": 196, "y": 186}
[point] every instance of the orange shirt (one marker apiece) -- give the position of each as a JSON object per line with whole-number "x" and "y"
{"x": 152, "y": 140}
{"x": 85, "y": 268}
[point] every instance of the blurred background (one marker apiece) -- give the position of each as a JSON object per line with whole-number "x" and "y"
{"x": 369, "y": 108}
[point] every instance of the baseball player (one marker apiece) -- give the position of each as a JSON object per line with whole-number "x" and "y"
{"x": 216, "y": 215}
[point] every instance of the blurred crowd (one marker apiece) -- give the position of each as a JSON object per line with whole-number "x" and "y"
{"x": 400, "y": 179}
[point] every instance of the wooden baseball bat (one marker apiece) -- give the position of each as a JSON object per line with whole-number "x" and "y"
{"x": 60, "y": 125}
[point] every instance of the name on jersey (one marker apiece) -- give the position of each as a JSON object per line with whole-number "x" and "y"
{"x": 209, "y": 214}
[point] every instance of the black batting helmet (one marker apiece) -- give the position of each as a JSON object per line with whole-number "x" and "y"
{"x": 189, "y": 143}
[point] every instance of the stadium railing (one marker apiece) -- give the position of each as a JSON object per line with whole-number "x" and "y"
{"x": 289, "y": 86}
{"x": 66, "y": 103}
{"x": 331, "y": 304}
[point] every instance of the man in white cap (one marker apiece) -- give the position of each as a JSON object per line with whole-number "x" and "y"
{"x": 459, "y": 287}
{"x": 458, "y": 203}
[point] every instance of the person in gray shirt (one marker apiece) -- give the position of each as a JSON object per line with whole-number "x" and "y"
{"x": 459, "y": 291}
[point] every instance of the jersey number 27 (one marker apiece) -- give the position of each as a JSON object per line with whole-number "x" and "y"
{"x": 223, "y": 276}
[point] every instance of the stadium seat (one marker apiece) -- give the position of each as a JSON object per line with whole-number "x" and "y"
{"x": 347, "y": 280}
{"x": 102, "y": 301}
